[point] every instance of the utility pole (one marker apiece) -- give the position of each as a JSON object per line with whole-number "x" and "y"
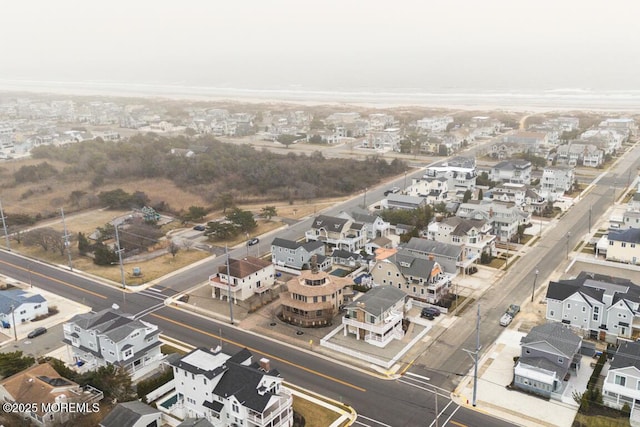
{"x": 589, "y": 219}
{"x": 4, "y": 225}
{"x": 229, "y": 285}
{"x": 119, "y": 251}
{"x": 365, "y": 198}
{"x": 66, "y": 239}
{"x": 568, "y": 237}
{"x": 533, "y": 291}
{"x": 435, "y": 392}
{"x": 15, "y": 330}
{"x": 475, "y": 353}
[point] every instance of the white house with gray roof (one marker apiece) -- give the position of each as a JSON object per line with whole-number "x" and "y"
{"x": 337, "y": 233}
{"x": 556, "y": 180}
{"x": 230, "y": 390}
{"x": 375, "y": 225}
{"x": 599, "y": 306}
{"x": 503, "y": 217}
{"x": 376, "y": 317}
{"x": 472, "y": 235}
{"x": 622, "y": 383}
{"x": 21, "y": 305}
{"x": 132, "y": 414}
{"x": 449, "y": 256}
{"x": 110, "y": 337}
{"x": 624, "y": 246}
{"x": 459, "y": 171}
{"x": 548, "y": 353}
{"x": 297, "y": 255}
{"x": 512, "y": 171}
{"x": 402, "y": 201}
{"x": 434, "y": 190}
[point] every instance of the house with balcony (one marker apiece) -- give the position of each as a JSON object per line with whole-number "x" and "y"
{"x": 337, "y": 233}
{"x": 624, "y": 246}
{"x": 472, "y": 235}
{"x": 599, "y": 306}
{"x": 110, "y": 337}
{"x": 556, "y": 181}
{"x": 548, "y": 353}
{"x": 506, "y": 150}
{"x": 504, "y": 218}
{"x": 21, "y": 306}
{"x": 433, "y": 190}
{"x": 374, "y": 224}
{"x": 43, "y": 386}
{"x": 433, "y": 124}
{"x": 522, "y": 195}
{"x": 245, "y": 278}
{"x": 376, "y": 317}
{"x": 512, "y": 171}
{"x": 622, "y": 383}
{"x": 420, "y": 277}
{"x": 230, "y": 390}
{"x": 447, "y": 255}
{"x": 314, "y": 297}
{"x": 574, "y": 153}
{"x": 296, "y": 255}
{"x": 459, "y": 171}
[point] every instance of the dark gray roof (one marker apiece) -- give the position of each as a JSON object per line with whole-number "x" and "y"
{"x": 127, "y": 414}
{"x": 463, "y": 225}
{"x": 595, "y": 286}
{"x": 630, "y": 235}
{"x": 15, "y": 298}
{"x": 512, "y": 164}
{"x": 330, "y": 223}
{"x": 364, "y": 216}
{"x": 396, "y": 198}
{"x": 379, "y": 299}
{"x": 556, "y": 335}
{"x": 413, "y": 265}
{"x": 425, "y": 246}
{"x": 292, "y": 244}
{"x": 627, "y": 354}
{"x": 341, "y": 253}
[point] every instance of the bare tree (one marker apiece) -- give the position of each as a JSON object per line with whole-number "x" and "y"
{"x": 46, "y": 237}
{"x": 187, "y": 244}
{"x": 173, "y": 248}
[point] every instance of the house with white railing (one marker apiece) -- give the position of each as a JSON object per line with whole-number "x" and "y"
{"x": 377, "y": 316}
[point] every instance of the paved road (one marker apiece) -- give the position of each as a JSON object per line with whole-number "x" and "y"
{"x": 380, "y": 402}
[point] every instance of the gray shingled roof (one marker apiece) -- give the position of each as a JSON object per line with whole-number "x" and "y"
{"x": 426, "y": 246}
{"x": 379, "y": 299}
{"x": 127, "y": 414}
{"x": 627, "y": 354}
{"x": 556, "y": 335}
{"x": 15, "y": 298}
{"x": 630, "y": 235}
{"x": 330, "y": 223}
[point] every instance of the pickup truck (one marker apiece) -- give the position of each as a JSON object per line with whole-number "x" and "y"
{"x": 508, "y": 316}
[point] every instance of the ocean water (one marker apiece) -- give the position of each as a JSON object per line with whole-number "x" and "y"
{"x": 517, "y": 99}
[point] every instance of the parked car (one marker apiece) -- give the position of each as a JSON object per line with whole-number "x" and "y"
{"x": 253, "y": 241}
{"x": 392, "y": 190}
{"x": 506, "y": 319}
{"x": 199, "y": 228}
{"x": 37, "y": 332}
{"x": 429, "y": 312}
{"x": 513, "y": 310}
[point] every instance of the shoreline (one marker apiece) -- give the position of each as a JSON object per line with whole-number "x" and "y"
{"x": 531, "y": 101}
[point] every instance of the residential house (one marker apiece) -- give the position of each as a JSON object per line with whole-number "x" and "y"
{"x": 506, "y": 150}
{"x": 376, "y": 317}
{"x": 448, "y": 256}
{"x": 401, "y": 201}
{"x": 419, "y": 276}
{"x": 622, "y": 124}
{"x": 21, "y": 306}
{"x": 609, "y": 141}
{"x": 622, "y": 383}
{"x": 459, "y": 171}
{"x": 433, "y": 190}
{"x": 110, "y": 337}
{"x": 512, "y": 171}
{"x": 41, "y": 385}
{"x": 132, "y": 414}
{"x": 472, "y": 235}
{"x": 313, "y": 298}
{"x": 346, "y": 258}
{"x": 573, "y": 154}
{"x": 297, "y": 255}
{"x": 503, "y": 217}
{"x": 548, "y": 353}
{"x": 434, "y": 124}
{"x": 556, "y": 180}
{"x": 374, "y": 224}
{"x": 245, "y": 278}
{"x": 385, "y": 140}
{"x": 338, "y": 233}
{"x": 231, "y": 390}
{"x": 630, "y": 219}
{"x": 530, "y": 139}
{"x": 600, "y": 306}
{"x": 624, "y": 246}
{"x": 521, "y": 195}
{"x": 377, "y": 243}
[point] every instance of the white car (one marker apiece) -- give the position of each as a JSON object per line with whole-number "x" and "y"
{"x": 506, "y": 319}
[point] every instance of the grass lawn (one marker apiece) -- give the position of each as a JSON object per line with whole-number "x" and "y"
{"x": 314, "y": 415}
{"x": 600, "y": 421}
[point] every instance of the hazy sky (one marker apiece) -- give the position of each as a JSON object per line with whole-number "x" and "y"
{"x": 350, "y": 45}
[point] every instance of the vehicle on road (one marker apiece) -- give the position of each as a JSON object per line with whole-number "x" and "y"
{"x": 429, "y": 313}
{"x": 509, "y": 314}
{"x": 513, "y": 310}
{"x": 506, "y": 319}
{"x": 392, "y": 190}
{"x": 37, "y": 332}
{"x": 253, "y": 241}
{"x": 199, "y": 228}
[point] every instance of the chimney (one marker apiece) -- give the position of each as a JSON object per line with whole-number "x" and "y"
{"x": 431, "y": 257}
{"x": 265, "y": 364}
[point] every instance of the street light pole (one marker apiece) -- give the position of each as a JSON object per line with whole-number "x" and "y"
{"x": 4, "y": 225}
{"x": 13, "y": 315}
{"x": 365, "y": 198}
{"x": 30, "y": 281}
{"x": 568, "y": 237}
{"x": 119, "y": 250}
{"x": 533, "y": 291}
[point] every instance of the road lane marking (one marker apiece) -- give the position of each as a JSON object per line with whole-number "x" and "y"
{"x": 370, "y": 420}
{"x": 449, "y": 420}
{"x": 279, "y": 359}
{"x": 54, "y": 279}
{"x": 458, "y": 424}
{"x": 411, "y": 374}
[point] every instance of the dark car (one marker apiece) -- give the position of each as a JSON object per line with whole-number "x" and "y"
{"x": 37, "y": 332}
{"x": 430, "y": 311}
{"x": 199, "y": 228}
{"x": 253, "y": 241}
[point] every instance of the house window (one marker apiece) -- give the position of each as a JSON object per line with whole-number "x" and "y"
{"x": 584, "y": 309}
{"x": 624, "y": 244}
{"x": 550, "y": 313}
{"x": 568, "y": 305}
{"x": 619, "y": 380}
{"x": 235, "y": 407}
{"x": 560, "y": 360}
{"x": 128, "y": 353}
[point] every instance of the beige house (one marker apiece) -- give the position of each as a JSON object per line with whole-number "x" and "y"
{"x": 247, "y": 277}
{"x": 313, "y": 298}
{"x": 624, "y": 246}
